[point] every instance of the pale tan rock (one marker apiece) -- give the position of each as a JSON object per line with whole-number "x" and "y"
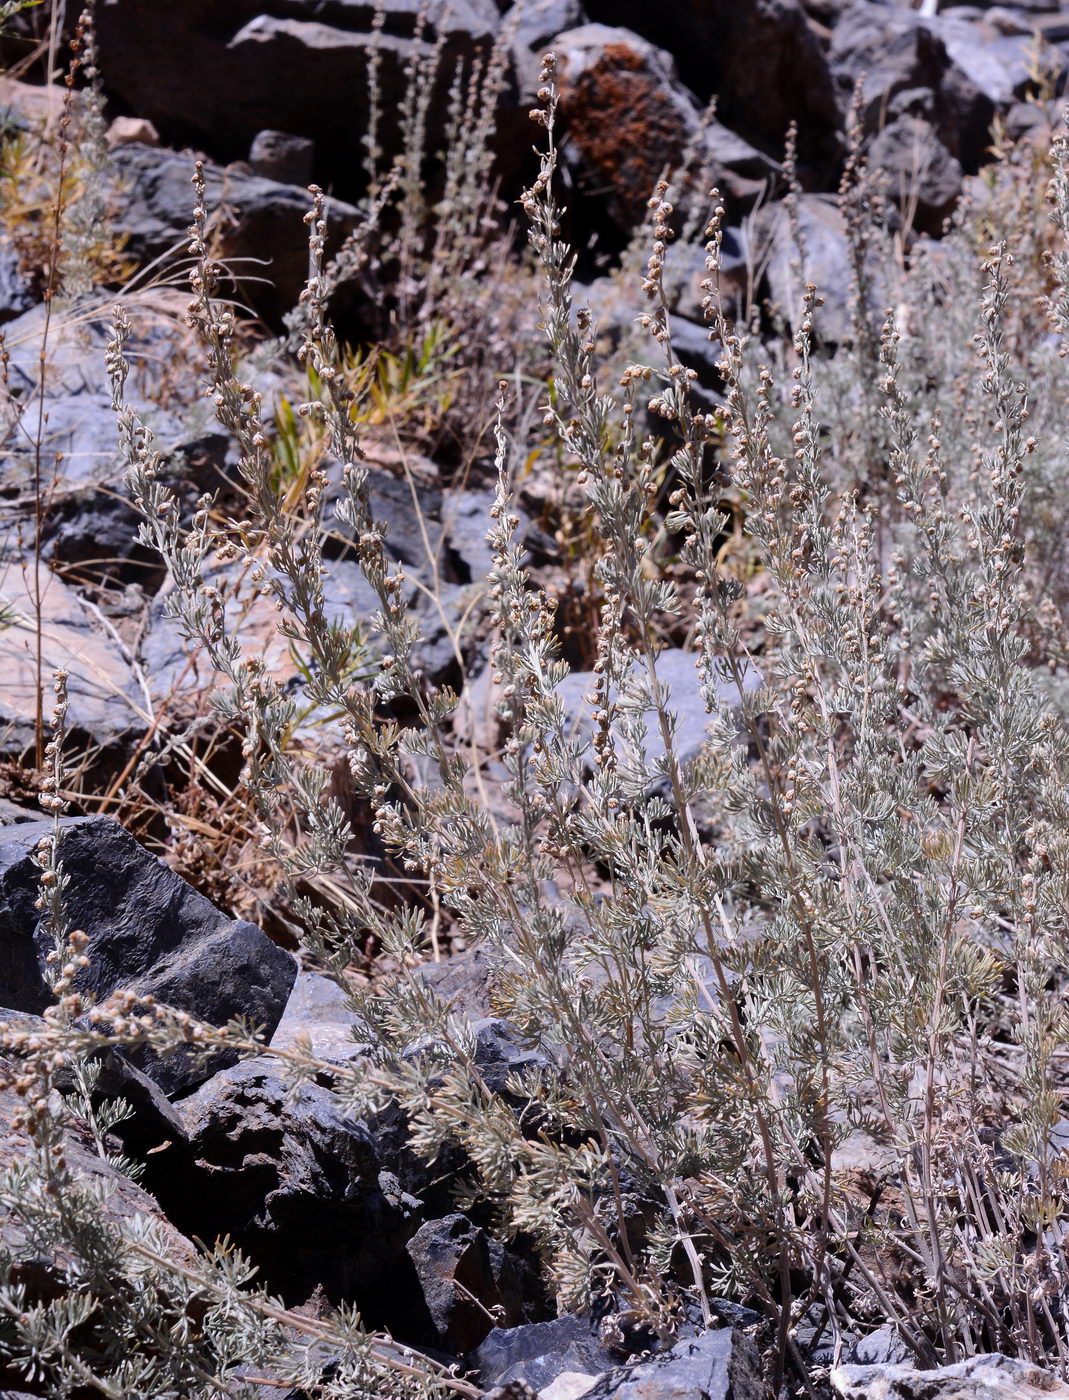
{"x": 569, "y": 1385}
{"x": 34, "y": 102}
{"x": 992, "y": 1377}
{"x": 129, "y": 131}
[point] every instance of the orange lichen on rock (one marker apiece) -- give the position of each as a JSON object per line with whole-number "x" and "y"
{"x": 626, "y": 124}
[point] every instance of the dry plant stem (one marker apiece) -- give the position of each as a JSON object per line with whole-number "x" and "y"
{"x": 51, "y": 290}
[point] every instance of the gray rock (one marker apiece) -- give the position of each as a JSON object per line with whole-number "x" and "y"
{"x": 743, "y": 174}
{"x": 107, "y": 710}
{"x": 448, "y": 624}
{"x": 500, "y": 1055}
{"x": 439, "y": 536}
{"x": 465, "y": 518}
{"x": 88, "y": 520}
{"x": 980, "y": 1378}
{"x": 463, "y": 980}
{"x": 946, "y": 69}
{"x": 79, "y": 445}
{"x": 465, "y": 1278}
{"x": 124, "y": 131}
{"x": 538, "y": 1353}
{"x": 826, "y": 264}
{"x": 996, "y": 64}
{"x": 148, "y": 931}
{"x": 264, "y": 222}
{"x": 409, "y": 516}
{"x": 13, "y": 813}
{"x": 16, "y": 295}
{"x": 318, "y": 1014}
{"x": 300, "y": 1188}
{"x": 278, "y": 156}
{"x": 685, "y": 271}
{"x": 75, "y": 345}
{"x": 891, "y": 49}
{"x": 477, "y": 722}
{"x": 720, "y": 1365}
{"x": 537, "y": 21}
{"x": 180, "y": 671}
{"x": 921, "y": 174}
{"x": 878, "y": 1348}
{"x": 301, "y": 67}
{"x": 677, "y": 670}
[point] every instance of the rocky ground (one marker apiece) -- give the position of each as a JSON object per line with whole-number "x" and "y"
{"x": 272, "y": 95}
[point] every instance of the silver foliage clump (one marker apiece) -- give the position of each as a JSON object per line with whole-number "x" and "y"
{"x": 848, "y": 916}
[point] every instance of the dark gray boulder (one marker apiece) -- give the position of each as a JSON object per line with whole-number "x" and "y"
{"x": 892, "y": 52}
{"x": 262, "y": 233}
{"x": 148, "y": 931}
{"x": 301, "y": 1189}
{"x": 213, "y": 76}
{"x": 276, "y": 155}
{"x": 719, "y": 1365}
{"x": 464, "y": 1279}
{"x": 919, "y": 172}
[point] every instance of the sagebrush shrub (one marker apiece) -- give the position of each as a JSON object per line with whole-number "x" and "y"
{"x": 846, "y": 917}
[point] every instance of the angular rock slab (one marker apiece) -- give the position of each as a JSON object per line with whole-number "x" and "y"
{"x": 302, "y": 1189}
{"x": 477, "y": 720}
{"x": 992, "y": 1377}
{"x": 181, "y": 672}
{"x": 540, "y": 1353}
{"x": 721, "y": 1365}
{"x": 106, "y": 706}
{"x": 318, "y": 1016}
{"x": 464, "y": 1277}
{"x": 73, "y": 446}
{"x": 263, "y": 220}
{"x": 148, "y": 931}
{"x": 677, "y": 670}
